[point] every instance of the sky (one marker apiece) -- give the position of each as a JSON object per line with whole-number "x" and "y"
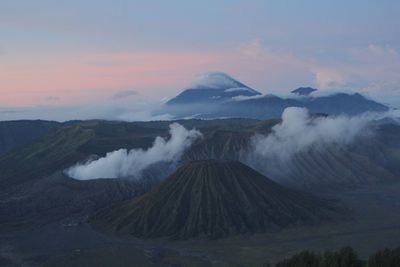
{"x": 109, "y": 54}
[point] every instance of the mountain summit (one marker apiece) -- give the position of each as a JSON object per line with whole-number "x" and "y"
{"x": 218, "y": 80}
{"x": 213, "y": 87}
{"x": 304, "y": 91}
{"x": 213, "y": 199}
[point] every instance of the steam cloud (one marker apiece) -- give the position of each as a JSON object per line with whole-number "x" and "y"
{"x": 300, "y": 131}
{"x": 124, "y": 163}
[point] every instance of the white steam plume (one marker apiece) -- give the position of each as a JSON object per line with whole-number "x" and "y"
{"x": 124, "y": 163}
{"x": 300, "y": 131}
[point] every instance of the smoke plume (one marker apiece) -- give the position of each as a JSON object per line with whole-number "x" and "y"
{"x": 300, "y": 131}
{"x": 124, "y": 163}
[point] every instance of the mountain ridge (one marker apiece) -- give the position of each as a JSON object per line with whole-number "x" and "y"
{"x": 230, "y": 98}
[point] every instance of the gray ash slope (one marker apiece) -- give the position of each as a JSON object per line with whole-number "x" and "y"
{"x": 214, "y": 199}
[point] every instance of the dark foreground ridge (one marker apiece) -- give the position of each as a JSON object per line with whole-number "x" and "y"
{"x": 213, "y": 199}
{"x": 345, "y": 257}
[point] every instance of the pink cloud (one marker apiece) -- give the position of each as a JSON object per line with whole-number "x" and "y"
{"x": 94, "y": 77}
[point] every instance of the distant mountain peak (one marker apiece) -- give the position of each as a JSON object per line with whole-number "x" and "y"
{"x": 214, "y": 87}
{"x": 304, "y": 91}
{"x": 216, "y": 80}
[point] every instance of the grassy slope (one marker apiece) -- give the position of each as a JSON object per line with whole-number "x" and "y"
{"x": 14, "y": 134}
{"x": 51, "y": 153}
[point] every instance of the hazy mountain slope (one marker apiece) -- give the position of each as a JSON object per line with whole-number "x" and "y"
{"x": 17, "y": 133}
{"x": 341, "y": 103}
{"x": 271, "y": 106}
{"x": 384, "y": 148}
{"x": 47, "y": 155}
{"x": 213, "y": 199}
{"x": 327, "y": 168}
{"x": 369, "y": 160}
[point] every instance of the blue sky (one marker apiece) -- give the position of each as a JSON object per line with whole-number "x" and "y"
{"x": 199, "y": 24}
